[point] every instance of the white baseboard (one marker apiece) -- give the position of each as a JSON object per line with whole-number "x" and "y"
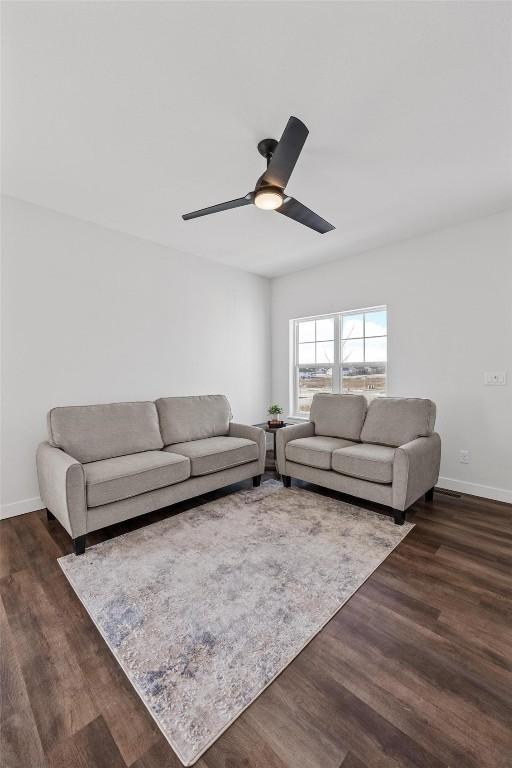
{"x": 474, "y": 489}
{"x": 461, "y": 486}
{"x": 20, "y": 507}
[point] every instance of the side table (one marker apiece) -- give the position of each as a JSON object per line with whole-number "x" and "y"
{"x": 272, "y": 431}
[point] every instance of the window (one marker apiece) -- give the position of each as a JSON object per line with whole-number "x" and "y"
{"x": 344, "y": 352}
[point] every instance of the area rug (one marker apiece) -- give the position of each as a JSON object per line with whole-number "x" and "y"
{"x": 204, "y": 609}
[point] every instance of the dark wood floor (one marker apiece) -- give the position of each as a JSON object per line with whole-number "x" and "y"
{"x": 415, "y": 670}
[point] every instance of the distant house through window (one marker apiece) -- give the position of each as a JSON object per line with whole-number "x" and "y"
{"x": 342, "y": 352}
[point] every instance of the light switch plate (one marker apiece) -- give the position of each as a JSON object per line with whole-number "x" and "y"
{"x": 495, "y": 378}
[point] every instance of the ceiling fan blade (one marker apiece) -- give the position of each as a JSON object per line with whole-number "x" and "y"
{"x": 295, "y": 210}
{"x": 286, "y": 153}
{"x": 220, "y": 207}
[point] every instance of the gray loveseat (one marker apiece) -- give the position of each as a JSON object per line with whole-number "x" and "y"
{"x": 106, "y": 463}
{"x": 387, "y": 453}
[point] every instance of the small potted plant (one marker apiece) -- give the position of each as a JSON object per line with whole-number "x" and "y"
{"x": 275, "y": 412}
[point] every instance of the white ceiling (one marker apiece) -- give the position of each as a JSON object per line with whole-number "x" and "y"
{"x": 129, "y": 114}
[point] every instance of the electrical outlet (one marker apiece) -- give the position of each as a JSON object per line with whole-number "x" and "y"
{"x": 495, "y": 378}
{"x": 464, "y": 457}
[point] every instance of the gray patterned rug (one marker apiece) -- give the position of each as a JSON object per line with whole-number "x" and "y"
{"x": 203, "y": 610}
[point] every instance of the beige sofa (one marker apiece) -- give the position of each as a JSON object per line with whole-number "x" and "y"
{"x": 387, "y": 453}
{"x": 106, "y": 463}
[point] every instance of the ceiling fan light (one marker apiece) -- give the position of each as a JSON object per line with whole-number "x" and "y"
{"x": 268, "y": 199}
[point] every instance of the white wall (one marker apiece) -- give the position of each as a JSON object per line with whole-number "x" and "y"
{"x": 449, "y": 298}
{"x": 91, "y": 315}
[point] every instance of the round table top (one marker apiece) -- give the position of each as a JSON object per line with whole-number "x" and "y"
{"x": 265, "y": 425}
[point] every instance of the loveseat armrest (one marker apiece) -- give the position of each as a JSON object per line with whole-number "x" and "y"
{"x": 284, "y": 436}
{"x": 251, "y": 433}
{"x": 415, "y": 469}
{"x": 62, "y": 487}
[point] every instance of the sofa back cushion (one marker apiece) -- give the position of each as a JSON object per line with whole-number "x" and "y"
{"x": 338, "y": 415}
{"x": 193, "y": 418}
{"x": 96, "y": 432}
{"x": 395, "y": 421}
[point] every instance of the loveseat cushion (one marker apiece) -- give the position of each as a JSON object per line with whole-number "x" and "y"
{"x": 338, "y": 415}
{"x": 314, "y": 451}
{"x": 96, "y": 432}
{"x": 193, "y": 418}
{"x": 215, "y": 453}
{"x": 396, "y": 421}
{"x": 367, "y": 462}
{"x": 124, "y": 476}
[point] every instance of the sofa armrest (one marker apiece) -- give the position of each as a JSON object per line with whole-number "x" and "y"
{"x": 284, "y": 436}
{"x": 415, "y": 469}
{"x": 62, "y": 487}
{"x": 252, "y": 433}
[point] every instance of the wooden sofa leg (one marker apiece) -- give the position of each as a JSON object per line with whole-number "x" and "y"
{"x": 256, "y": 481}
{"x": 399, "y": 516}
{"x": 49, "y": 515}
{"x": 429, "y": 496}
{"x": 79, "y": 545}
{"x": 287, "y": 481}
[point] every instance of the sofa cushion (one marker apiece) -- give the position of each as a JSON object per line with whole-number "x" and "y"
{"x": 338, "y": 415}
{"x": 395, "y": 421}
{"x": 215, "y": 453}
{"x": 314, "y": 451}
{"x": 193, "y": 418}
{"x": 124, "y": 476}
{"x": 367, "y": 462}
{"x": 96, "y": 432}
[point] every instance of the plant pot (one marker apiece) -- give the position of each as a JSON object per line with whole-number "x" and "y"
{"x": 273, "y": 423}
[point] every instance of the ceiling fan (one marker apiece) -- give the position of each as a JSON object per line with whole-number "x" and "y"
{"x": 269, "y": 191}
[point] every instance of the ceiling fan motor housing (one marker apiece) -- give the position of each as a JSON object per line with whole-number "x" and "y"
{"x": 267, "y": 147}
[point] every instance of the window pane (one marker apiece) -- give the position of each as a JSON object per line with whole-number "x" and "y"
{"x": 375, "y": 323}
{"x": 312, "y": 380}
{"x": 325, "y": 352}
{"x": 353, "y": 351}
{"x": 363, "y": 378}
{"x": 307, "y": 332}
{"x": 307, "y": 353}
{"x": 375, "y": 350}
{"x": 352, "y": 326}
{"x": 325, "y": 329}
{"x": 376, "y": 378}
{"x": 353, "y": 378}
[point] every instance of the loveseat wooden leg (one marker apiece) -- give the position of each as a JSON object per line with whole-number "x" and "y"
{"x": 399, "y": 516}
{"x": 49, "y": 515}
{"x": 287, "y": 481}
{"x": 256, "y": 481}
{"x": 79, "y": 545}
{"x": 429, "y": 496}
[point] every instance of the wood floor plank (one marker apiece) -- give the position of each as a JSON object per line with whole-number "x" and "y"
{"x": 351, "y": 761}
{"x": 415, "y": 671}
{"x": 241, "y": 745}
{"x": 278, "y": 717}
{"x": 12, "y": 555}
{"x": 433, "y": 669}
{"x": 130, "y": 723}
{"x": 20, "y": 745}
{"x": 330, "y": 708}
{"x": 160, "y": 755}
{"x": 93, "y": 745}
{"x": 58, "y": 692}
{"x": 382, "y": 683}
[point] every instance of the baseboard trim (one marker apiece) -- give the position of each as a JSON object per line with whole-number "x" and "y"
{"x": 474, "y": 489}
{"x": 20, "y": 507}
{"x": 461, "y": 486}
